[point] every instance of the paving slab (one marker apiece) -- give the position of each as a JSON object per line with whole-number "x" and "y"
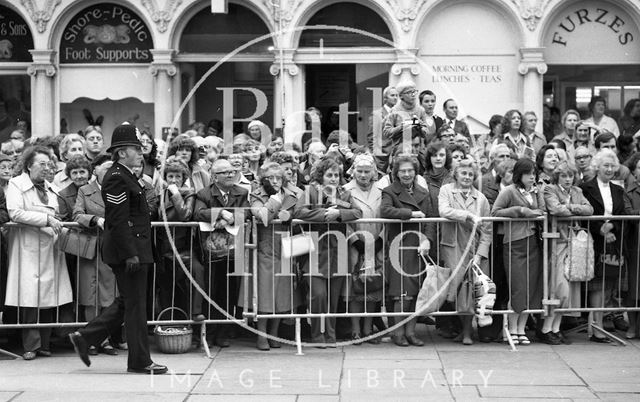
{"x": 616, "y": 396}
{"x": 6, "y": 396}
{"x": 242, "y": 398}
{"x": 426, "y": 364}
{"x": 611, "y": 375}
{"x": 251, "y": 386}
{"x": 318, "y": 398}
{"x": 103, "y": 396}
{"x": 599, "y": 387}
{"x": 539, "y": 391}
{"x": 481, "y": 359}
{"x": 492, "y": 377}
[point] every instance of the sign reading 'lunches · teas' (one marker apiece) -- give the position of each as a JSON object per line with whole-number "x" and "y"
{"x": 106, "y": 33}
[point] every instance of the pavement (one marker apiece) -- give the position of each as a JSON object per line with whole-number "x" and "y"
{"x": 441, "y": 370}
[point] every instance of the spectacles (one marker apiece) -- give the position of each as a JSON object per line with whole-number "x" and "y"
{"x": 411, "y": 92}
{"x": 227, "y": 172}
{"x": 274, "y": 178}
{"x": 582, "y": 157}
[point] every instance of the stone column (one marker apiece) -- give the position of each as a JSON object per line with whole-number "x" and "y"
{"x": 405, "y": 68}
{"x": 533, "y": 67}
{"x": 288, "y": 97}
{"x": 42, "y": 71}
{"x": 163, "y": 70}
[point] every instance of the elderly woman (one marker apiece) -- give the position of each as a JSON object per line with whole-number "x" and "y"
{"x": 402, "y": 200}
{"x": 462, "y": 203}
{"x": 365, "y": 252}
{"x": 94, "y": 140}
{"x": 633, "y": 246}
{"x": 563, "y": 199}
{"x": 77, "y": 170}
{"x": 607, "y": 199}
{"x": 97, "y": 284}
{"x": 570, "y": 119}
{"x": 185, "y": 148}
{"x": 72, "y": 144}
{"x": 272, "y": 200}
{"x": 328, "y": 206}
{"x": 38, "y": 280}
{"x": 584, "y": 137}
{"x": 522, "y": 250}
{"x": 6, "y": 171}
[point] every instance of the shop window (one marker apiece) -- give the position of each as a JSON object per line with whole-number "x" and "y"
{"x": 223, "y": 33}
{"x": 15, "y": 104}
{"x": 342, "y": 14}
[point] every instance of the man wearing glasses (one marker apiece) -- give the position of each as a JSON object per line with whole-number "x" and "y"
{"x": 218, "y": 204}
{"x": 406, "y": 113}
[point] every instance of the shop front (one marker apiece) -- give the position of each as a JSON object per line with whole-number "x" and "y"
{"x": 592, "y": 48}
{"x": 15, "y": 83}
{"x": 104, "y": 55}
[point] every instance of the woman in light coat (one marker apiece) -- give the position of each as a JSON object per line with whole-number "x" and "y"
{"x": 38, "y": 280}
{"x": 463, "y": 204}
{"x": 97, "y": 283}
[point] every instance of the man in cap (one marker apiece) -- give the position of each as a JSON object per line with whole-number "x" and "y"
{"x": 127, "y": 249}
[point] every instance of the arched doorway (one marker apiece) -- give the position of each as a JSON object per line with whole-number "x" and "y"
{"x": 205, "y": 40}
{"x": 591, "y": 48}
{"x": 342, "y": 66}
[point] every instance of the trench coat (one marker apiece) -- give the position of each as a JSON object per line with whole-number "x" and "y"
{"x": 397, "y": 203}
{"x": 97, "y": 281}
{"x": 38, "y": 275}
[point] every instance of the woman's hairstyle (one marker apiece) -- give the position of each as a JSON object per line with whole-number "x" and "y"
{"x": 563, "y": 168}
{"x": 281, "y": 157}
{"x": 90, "y": 129}
{"x": 184, "y": 142}
{"x": 502, "y": 168}
{"x": 30, "y": 153}
{"x": 467, "y": 163}
{"x": 67, "y": 142}
{"x": 541, "y": 154}
{"x": 628, "y": 107}
{"x": 494, "y": 121}
{"x": 569, "y": 113}
{"x": 321, "y": 166}
{"x": 77, "y": 162}
{"x": 558, "y": 144}
{"x": 457, "y": 147}
{"x": 152, "y": 158}
{"x": 265, "y": 168}
{"x": 432, "y": 149}
{"x": 506, "y": 121}
{"x": 399, "y": 160}
{"x": 624, "y": 141}
{"x": 632, "y": 162}
{"x": 101, "y": 158}
{"x": 594, "y": 100}
{"x": 176, "y": 165}
{"x": 601, "y": 156}
{"x": 253, "y": 143}
{"x": 522, "y": 166}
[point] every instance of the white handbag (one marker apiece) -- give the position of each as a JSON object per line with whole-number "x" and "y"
{"x": 297, "y": 245}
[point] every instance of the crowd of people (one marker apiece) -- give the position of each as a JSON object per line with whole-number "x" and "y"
{"x": 577, "y": 166}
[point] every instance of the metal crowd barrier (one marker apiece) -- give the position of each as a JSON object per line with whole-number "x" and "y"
{"x": 192, "y": 283}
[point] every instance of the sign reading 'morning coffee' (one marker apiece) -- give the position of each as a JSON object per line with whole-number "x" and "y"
{"x": 15, "y": 37}
{"x": 106, "y": 33}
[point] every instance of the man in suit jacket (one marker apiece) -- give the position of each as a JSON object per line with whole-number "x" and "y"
{"x": 389, "y": 100}
{"x": 128, "y": 249}
{"x": 450, "y": 108}
{"x": 217, "y": 205}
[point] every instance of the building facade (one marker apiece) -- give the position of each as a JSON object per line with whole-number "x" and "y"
{"x": 167, "y": 63}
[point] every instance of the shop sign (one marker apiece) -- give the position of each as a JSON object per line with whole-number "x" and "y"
{"x": 106, "y": 33}
{"x": 616, "y": 25}
{"x": 464, "y": 73}
{"x": 15, "y": 37}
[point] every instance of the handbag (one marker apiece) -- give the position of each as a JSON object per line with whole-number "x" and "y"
{"x": 433, "y": 293}
{"x": 465, "y": 302}
{"x": 485, "y": 296}
{"x": 579, "y": 263}
{"x": 610, "y": 263}
{"x": 217, "y": 245}
{"x": 363, "y": 284}
{"x": 78, "y": 243}
{"x": 297, "y": 245}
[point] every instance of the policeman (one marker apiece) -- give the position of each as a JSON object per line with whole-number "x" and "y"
{"x": 127, "y": 248}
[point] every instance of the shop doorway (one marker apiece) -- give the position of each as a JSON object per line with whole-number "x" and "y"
{"x": 329, "y": 85}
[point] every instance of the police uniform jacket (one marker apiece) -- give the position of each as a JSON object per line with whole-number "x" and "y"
{"x": 127, "y": 222}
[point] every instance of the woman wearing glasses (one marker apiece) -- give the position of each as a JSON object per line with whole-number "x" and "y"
{"x": 404, "y": 114}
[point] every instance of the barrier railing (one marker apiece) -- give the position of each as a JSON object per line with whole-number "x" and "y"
{"x": 183, "y": 277}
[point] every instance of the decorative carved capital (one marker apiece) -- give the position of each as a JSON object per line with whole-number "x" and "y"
{"x": 47, "y": 69}
{"x": 531, "y": 11}
{"x": 40, "y": 16}
{"x": 282, "y": 11}
{"x": 168, "y": 68}
{"x": 397, "y": 68}
{"x": 161, "y": 16}
{"x": 406, "y": 11}
{"x": 291, "y": 68}
{"x": 532, "y": 58}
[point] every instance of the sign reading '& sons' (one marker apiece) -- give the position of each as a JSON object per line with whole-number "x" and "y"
{"x": 106, "y": 33}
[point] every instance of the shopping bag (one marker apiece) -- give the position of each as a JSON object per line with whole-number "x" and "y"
{"x": 485, "y": 296}
{"x": 78, "y": 243}
{"x": 432, "y": 293}
{"x": 579, "y": 263}
{"x": 297, "y": 245}
{"x": 465, "y": 303}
